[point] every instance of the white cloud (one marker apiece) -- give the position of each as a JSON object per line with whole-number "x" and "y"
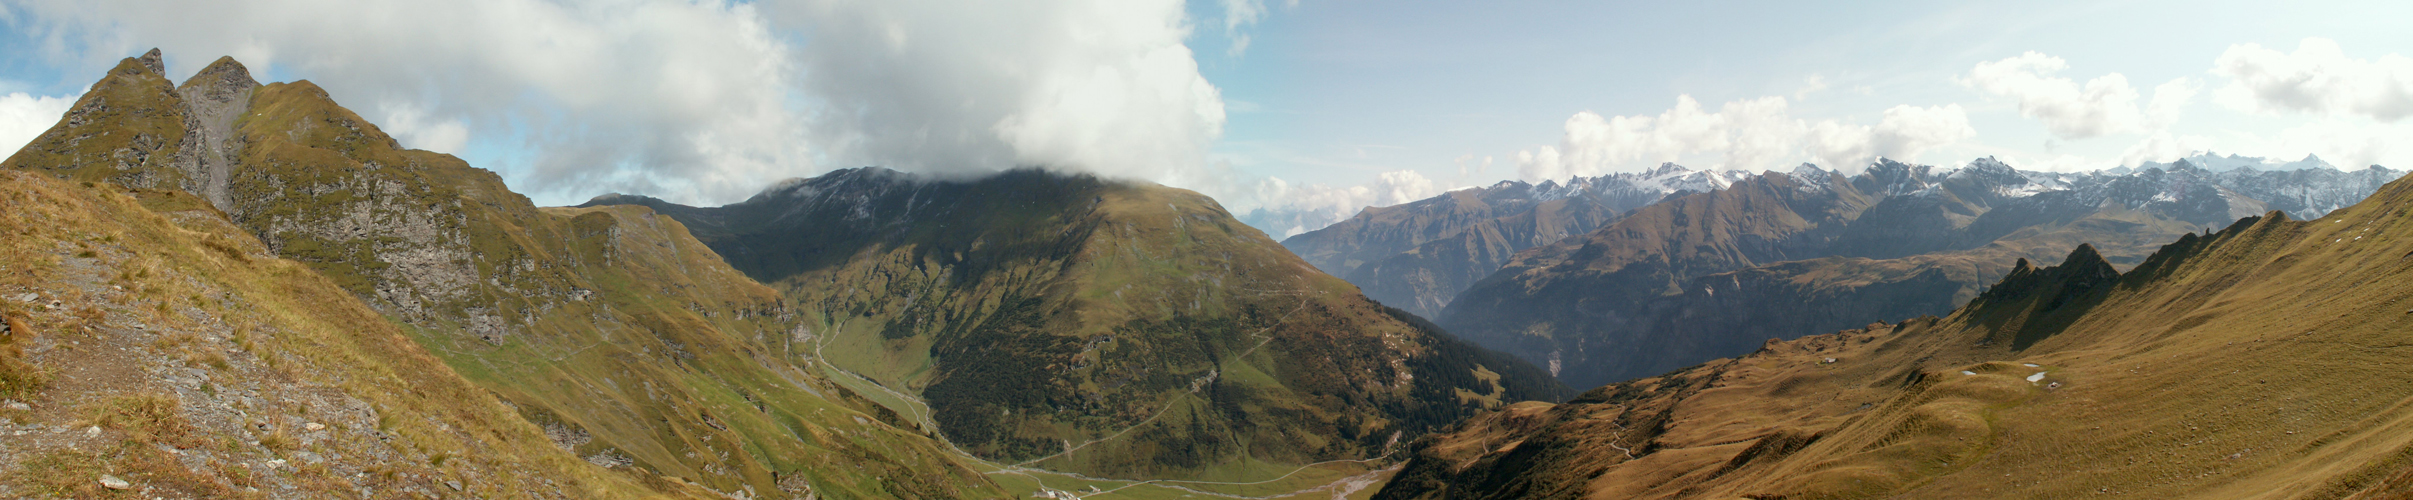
{"x": 705, "y": 101}
{"x": 2316, "y": 78}
{"x": 1904, "y": 133}
{"x": 2164, "y": 147}
{"x": 1239, "y": 14}
{"x": 1402, "y": 186}
{"x": 2348, "y": 143}
{"x": 2104, "y": 105}
{"x": 410, "y": 125}
{"x": 1748, "y": 134}
{"x": 24, "y": 116}
{"x": 1290, "y": 209}
{"x": 1810, "y": 85}
{"x": 1102, "y": 86}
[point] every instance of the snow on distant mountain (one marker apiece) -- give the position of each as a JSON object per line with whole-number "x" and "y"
{"x": 2309, "y": 187}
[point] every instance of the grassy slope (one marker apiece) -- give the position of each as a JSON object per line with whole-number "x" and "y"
{"x": 660, "y": 370}
{"x": 125, "y": 131}
{"x": 2258, "y": 362}
{"x": 176, "y": 330}
{"x": 628, "y": 340}
{"x": 1722, "y": 314}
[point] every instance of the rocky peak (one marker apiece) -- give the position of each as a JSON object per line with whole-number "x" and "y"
{"x": 1666, "y": 169}
{"x": 2309, "y": 161}
{"x": 1991, "y": 175}
{"x": 1886, "y": 177}
{"x": 1990, "y": 164}
{"x": 1988, "y": 168}
{"x": 212, "y": 99}
{"x": 1813, "y": 178}
{"x": 2084, "y": 271}
{"x": 151, "y": 60}
{"x": 221, "y": 82}
{"x": 119, "y": 131}
{"x": 2182, "y": 165}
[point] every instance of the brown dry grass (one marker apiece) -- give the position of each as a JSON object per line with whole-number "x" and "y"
{"x": 18, "y": 379}
{"x": 293, "y": 319}
{"x": 145, "y": 418}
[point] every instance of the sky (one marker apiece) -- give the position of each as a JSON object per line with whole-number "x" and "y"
{"x": 1307, "y": 110}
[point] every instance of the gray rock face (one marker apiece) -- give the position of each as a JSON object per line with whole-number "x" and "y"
{"x": 151, "y": 60}
{"x": 213, "y": 99}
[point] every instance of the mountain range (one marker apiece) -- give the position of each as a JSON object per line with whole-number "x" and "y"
{"x": 2257, "y": 361}
{"x": 1716, "y": 267}
{"x": 1418, "y": 255}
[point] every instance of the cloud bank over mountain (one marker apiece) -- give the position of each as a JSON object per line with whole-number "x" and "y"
{"x": 707, "y": 101}
{"x": 2354, "y": 107}
{"x": 1754, "y": 134}
{"x": 2104, "y": 105}
{"x": 1101, "y": 86}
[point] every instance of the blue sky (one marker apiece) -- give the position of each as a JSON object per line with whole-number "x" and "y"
{"x": 1329, "y": 106}
{"x": 1360, "y": 87}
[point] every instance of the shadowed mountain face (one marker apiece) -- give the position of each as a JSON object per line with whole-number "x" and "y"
{"x": 1777, "y": 256}
{"x": 1422, "y": 279}
{"x": 630, "y": 343}
{"x": 1107, "y": 328}
{"x": 2258, "y": 361}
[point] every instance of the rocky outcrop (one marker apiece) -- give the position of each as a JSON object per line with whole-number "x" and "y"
{"x": 125, "y": 130}
{"x": 132, "y": 129}
{"x": 212, "y": 100}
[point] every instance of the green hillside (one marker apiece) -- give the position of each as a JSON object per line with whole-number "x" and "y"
{"x": 149, "y": 340}
{"x": 1107, "y": 328}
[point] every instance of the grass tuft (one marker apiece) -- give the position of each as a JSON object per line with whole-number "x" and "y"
{"x": 145, "y": 418}
{"x": 18, "y": 378}
{"x": 278, "y": 441}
